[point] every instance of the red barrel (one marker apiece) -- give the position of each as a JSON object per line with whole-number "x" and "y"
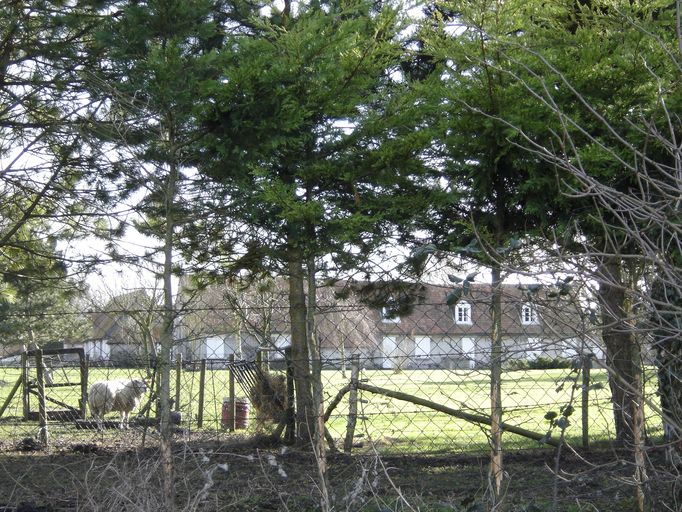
{"x": 241, "y": 414}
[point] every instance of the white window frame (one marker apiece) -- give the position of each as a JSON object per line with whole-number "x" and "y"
{"x": 463, "y": 313}
{"x": 529, "y": 315}
{"x": 97, "y": 350}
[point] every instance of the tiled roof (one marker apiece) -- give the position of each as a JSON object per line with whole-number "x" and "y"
{"x": 431, "y": 315}
{"x": 352, "y": 312}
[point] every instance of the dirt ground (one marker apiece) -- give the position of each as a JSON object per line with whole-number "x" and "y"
{"x": 249, "y": 476}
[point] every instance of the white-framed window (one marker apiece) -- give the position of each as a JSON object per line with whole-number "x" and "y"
{"x": 422, "y": 346}
{"x": 529, "y": 315}
{"x": 388, "y": 316}
{"x": 463, "y": 313}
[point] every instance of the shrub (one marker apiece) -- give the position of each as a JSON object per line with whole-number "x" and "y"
{"x": 540, "y": 363}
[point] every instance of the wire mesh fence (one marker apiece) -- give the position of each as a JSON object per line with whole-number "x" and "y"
{"x": 396, "y": 379}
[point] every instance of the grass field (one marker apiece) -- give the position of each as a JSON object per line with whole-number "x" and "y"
{"x": 428, "y": 460}
{"x": 392, "y": 425}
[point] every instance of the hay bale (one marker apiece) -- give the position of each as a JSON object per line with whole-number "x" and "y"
{"x": 269, "y": 398}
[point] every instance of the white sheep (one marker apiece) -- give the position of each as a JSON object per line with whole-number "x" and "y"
{"x": 115, "y": 395}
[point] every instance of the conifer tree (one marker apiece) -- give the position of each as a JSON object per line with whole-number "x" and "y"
{"x": 41, "y": 162}
{"x": 314, "y": 167}
{"x": 152, "y": 56}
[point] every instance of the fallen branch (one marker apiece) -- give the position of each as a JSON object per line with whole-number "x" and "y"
{"x": 470, "y": 417}
{"x": 473, "y": 418}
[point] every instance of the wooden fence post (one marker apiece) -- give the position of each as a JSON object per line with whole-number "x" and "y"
{"x": 290, "y": 432}
{"x": 587, "y": 363}
{"x": 25, "y": 400}
{"x": 84, "y": 362}
{"x": 42, "y": 409}
{"x": 352, "y": 404}
{"x": 178, "y": 380}
{"x": 232, "y": 401}
{"x": 202, "y": 384}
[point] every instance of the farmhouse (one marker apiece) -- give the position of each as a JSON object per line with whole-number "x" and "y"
{"x": 221, "y": 321}
{"x": 389, "y": 325}
{"x": 437, "y": 335}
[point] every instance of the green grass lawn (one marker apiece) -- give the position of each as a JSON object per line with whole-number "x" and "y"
{"x": 393, "y": 425}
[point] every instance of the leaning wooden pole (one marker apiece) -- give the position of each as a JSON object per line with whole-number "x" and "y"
{"x": 336, "y": 401}
{"x": 14, "y": 390}
{"x": 466, "y": 416}
{"x": 473, "y": 418}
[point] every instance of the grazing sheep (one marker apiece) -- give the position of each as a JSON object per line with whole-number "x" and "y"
{"x": 115, "y": 395}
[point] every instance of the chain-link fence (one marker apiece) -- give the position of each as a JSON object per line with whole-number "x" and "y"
{"x": 406, "y": 377}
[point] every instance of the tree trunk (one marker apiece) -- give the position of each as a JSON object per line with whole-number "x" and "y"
{"x": 496, "y": 469}
{"x": 163, "y": 359}
{"x": 319, "y": 448}
{"x": 623, "y": 356}
{"x": 305, "y": 414}
{"x": 667, "y": 323}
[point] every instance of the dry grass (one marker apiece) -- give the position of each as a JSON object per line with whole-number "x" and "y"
{"x": 269, "y": 399}
{"x": 246, "y": 477}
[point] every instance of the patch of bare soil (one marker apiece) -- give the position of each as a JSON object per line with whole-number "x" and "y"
{"x": 251, "y": 477}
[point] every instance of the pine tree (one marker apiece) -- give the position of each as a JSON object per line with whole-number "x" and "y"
{"x": 306, "y": 167}
{"x": 152, "y": 57}
{"x": 41, "y": 107}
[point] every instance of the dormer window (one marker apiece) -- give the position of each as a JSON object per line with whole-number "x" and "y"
{"x": 463, "y": 313}
{"x": 389, "y": 316}
{"x": 529, "y": 315}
